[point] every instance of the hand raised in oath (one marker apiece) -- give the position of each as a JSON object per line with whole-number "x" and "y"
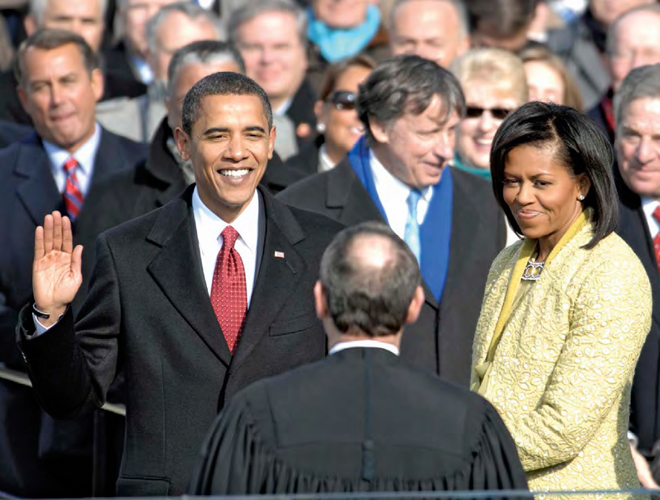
{"x": 56, "y": 270}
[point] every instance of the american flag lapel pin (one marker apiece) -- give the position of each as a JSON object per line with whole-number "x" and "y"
{"x": 279, "y": 255}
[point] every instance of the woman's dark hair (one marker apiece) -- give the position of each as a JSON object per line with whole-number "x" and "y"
{"x": 576, "y": 142}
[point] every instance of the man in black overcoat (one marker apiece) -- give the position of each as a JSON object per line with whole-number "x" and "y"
{"x": 188, "y": 329}
{"x": 410, "y": 108}
{"x": 362, "y": 419}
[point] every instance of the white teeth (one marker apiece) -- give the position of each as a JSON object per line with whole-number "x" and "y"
{"x": 235, "y": 173}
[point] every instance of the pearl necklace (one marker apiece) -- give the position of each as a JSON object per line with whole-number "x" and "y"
{"x": 532, "y": 270}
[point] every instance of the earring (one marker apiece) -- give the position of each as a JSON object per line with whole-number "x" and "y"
{"x": 581, "y": 197}
{"x": 320, "y": 127}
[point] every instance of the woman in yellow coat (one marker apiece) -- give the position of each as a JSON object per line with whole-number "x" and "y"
{"x": 566, "y": 310}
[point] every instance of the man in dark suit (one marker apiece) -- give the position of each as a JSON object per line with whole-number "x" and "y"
{"x": 189, "y": 329}
{"x": 637, "y": 111}
{"x": 362, "y": 419}
{"x": 399, "y": 173}
{"x": 59, "y": 85}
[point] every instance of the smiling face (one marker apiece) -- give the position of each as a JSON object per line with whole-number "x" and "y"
{"x": 475, "y": 135}
{"x": 429, "y": 29}
{"x": 638, "y": 147}
{"x": 544, "y": 82}
{"x": 416, "y": 148}
{"x": 229, "y": 147}
{"x": 542, "y": 194}
{"x": 273, "y": 53}
{"x": 60, "y": 95}
{"x": 342, "y": 126}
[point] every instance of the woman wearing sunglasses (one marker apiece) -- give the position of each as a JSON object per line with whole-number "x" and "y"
{"x": 338, "y": 124}
{"x": 494, "y": 84}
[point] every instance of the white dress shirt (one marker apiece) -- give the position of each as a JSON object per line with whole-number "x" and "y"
{"x": 325, "y": 163}
{"x": 393, "y": 195}
{"x": 210, "y": 226}
{"x": 649, "y": 206}
{"x": 85, "y": 155}
{"x": 349, "y": 344}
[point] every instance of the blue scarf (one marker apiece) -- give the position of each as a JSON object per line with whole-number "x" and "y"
{"x": 435, "y": 231}
{"x": 484, "y": 173}
{"x": 338, "y": 44}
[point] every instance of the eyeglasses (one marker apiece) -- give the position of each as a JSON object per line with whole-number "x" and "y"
{"x": 342, "y": 99}
{"x": 476, "y": 112}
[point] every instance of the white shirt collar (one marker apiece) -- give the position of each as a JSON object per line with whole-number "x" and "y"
{"x": 349, "y": 344}
{"x": 209, "y": 225}
{"x": 325, "y": 163}
{"x": 84, "y": 155}
{"x": 283, "y": 108}
{"x": 390, "y": 184}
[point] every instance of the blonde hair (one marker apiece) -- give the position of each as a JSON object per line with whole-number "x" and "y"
{"x": 542, "y": 54}
{"x": 498, "y": 67}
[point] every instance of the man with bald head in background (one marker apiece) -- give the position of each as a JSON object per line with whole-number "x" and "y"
{"x": 633, "y": 40}
{"x": 434, "y": 29}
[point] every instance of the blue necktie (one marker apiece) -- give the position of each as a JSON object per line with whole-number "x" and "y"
{"x": 411, "y": 233}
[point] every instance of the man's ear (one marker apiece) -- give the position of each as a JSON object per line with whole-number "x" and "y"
{"x": 182, "y": 143}
{"x": 378, "y": 131}
{"x": 97, "y": 83}
{"x": 30, "y": 24}
{"x": 271, "y": 141}
{"x": 320, "y": 301}
{"x": 415, "y": 306}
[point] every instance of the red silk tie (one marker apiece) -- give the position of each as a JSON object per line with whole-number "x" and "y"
{"x": 656, "y": 240}
{"x": 73, "y": 198}
{"x": 228, "y": 291}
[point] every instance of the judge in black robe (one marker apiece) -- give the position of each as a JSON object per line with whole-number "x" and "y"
{"x": 362, "y": 419}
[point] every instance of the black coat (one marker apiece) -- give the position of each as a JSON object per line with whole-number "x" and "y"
{"x": 360, "y": 420}
{"x": 441, "y": 339}
{"x": 148, "y": 311}
{"x": 645, "y": 398}
{"x": 41, "y": 457}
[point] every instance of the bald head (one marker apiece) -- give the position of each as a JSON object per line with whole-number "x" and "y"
{"x": 369, "y": 277}
{"x": 633, "y": 41}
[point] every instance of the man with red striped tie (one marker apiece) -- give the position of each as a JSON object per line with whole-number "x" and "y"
{"x": 57, "y": 167}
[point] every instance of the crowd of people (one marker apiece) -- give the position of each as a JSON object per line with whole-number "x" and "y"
{"x": 330, "y": 245}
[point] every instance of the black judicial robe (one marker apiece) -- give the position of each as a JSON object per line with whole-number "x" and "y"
{"x": 360, "y": 420}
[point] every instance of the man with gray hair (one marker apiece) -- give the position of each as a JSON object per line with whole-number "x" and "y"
{"x": 173, "y": 27}
{"x": 435, "y": 29}
{"x": 637, "y": 113}
{"x": 361, "y": 419}
{"x": 633, "y": 40}
{"x": 272, "y": 37}
{"x": 399, "y": 173}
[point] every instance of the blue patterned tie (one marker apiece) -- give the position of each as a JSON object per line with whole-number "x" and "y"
{"x": 411, "y": 233}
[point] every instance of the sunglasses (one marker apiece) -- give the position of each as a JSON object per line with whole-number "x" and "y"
{"x": 476, "y": 112}
{"x": 342, "y": 100}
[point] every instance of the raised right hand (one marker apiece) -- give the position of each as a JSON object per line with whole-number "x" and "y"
{"x": 56, "y": 270}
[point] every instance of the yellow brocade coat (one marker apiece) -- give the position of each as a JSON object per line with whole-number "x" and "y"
{"x": 561, "y": 375}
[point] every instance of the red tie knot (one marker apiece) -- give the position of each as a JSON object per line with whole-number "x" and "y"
{"x": 229, "y": 237}
{"x": 70, "y": 165}
{"x": 656, "y": 213}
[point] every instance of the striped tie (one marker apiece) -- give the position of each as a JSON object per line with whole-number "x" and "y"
{"x": 73, "y": 198}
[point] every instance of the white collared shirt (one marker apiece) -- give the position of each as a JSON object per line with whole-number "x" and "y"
{"x": 349, "y": 344}
{"x": 325, "y": 163}
{"x": 648, "y": 206}
{"x": 283, "y": 108}
{"x": 393, "y": 195}
{"x": 210, "y": 226}
{"x": 85, "y": 155}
